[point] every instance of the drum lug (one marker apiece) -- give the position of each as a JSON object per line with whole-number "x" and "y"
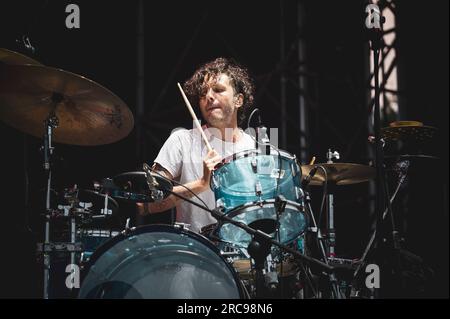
{"x": 182, "y": 226}
{"x": 128, "y": 229}
{"x": 312, "y": 229}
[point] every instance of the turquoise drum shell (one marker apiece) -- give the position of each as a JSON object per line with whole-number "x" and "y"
{"x": 234, "y": 183}
{"x": 234, "y": 179}
{"x": 292, "y": 223}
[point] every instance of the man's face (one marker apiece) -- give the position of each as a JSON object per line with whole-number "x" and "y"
{"x": 219, "y": 104}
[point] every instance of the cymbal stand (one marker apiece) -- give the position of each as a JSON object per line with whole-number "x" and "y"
{"x": 316, "y": 229}
{"x": 50, "y": 123}
{"x": 331, "y": 232}
{"x": 72, "y": 197}
{"x": 402, "y": 171}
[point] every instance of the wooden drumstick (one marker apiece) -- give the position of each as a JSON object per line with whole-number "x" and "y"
{"x": 194, "y": 117}
{"x": 313, "y": 160}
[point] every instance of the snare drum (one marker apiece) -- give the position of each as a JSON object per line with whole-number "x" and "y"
{"x": 246, "y": 186}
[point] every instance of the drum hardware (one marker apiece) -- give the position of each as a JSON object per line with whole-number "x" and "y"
{"x": 271, "y": 277}
{"x": 258, "y": 190}
{"x": 255, "y": 165}
{"x": 320, "y": 240}
{"x": 331, "y": 174}
{"x": 401, "y": 168}
{"x": 183, "y": 226}
{"x": 60, "y": 247}
{"x": 127, "y": 230}
{"x": 259, "y": 249}
{"x": 331, "y": 233}
{"x": 334, "y": 174}
{"x": 51, "y": 122}
{"x": 153, "y": 185}
{"x": 71, "y": 196}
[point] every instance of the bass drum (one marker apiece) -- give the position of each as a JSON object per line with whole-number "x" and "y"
{"x": 159, "y": 262}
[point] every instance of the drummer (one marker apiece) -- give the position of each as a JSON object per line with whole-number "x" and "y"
{"x": 223, "y": 90}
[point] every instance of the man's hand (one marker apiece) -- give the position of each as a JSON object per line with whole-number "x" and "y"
{"x": 209, "y": 162}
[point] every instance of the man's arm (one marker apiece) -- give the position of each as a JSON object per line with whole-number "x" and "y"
{"x": 197, "y": 187}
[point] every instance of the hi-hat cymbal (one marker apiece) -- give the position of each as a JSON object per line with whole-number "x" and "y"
{"x": 408, "y": 130}
{"x": 339, "y": 173}
{"x": 87, "y": 113}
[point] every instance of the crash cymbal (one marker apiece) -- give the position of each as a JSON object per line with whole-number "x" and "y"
{"x": 408, "y": 130}
{"x": 87, "y": 113}
{"x": 14, "y": 58}
{"x": 339, "y": 173}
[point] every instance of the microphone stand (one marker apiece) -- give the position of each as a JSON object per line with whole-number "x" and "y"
{"x": 376, "y": 40}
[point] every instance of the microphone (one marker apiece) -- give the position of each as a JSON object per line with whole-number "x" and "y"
{"x": 281, "y": 202}
{"x": 308, "y": 177}
{"x": 155, "y": 193}
{"x": 261, "y": 136}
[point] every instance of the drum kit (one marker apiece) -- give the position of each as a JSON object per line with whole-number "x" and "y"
{"x": 259, "y": 247}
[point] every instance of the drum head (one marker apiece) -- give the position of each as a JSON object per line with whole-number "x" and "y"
{"x": 159, "y": 262}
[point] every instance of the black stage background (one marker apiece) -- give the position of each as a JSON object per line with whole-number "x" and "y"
{"x": 180, "y": 35}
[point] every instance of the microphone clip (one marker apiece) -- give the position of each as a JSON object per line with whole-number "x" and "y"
{"x": 155, "y": 193}
{"x": 309, "y": 177}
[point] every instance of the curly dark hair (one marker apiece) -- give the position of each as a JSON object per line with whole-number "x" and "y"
{"x": 239, "y": 76}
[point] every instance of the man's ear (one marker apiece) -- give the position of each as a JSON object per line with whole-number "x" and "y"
{"x": 238, "y": 100}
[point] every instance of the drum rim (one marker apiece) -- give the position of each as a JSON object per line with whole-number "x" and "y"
{"x": 259, "y": 203}
{"x": 103, "y": 248}
{"x": 251, "y": 152}
{"x": 247, "y": 153}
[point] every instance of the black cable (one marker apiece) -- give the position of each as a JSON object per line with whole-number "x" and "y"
{"x": 250, "y": 116}
{"x": 324, "y": 195}
{"x": 179, "y": 184}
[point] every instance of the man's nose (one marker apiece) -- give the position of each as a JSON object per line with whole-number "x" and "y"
{"x": 210, "y": 95}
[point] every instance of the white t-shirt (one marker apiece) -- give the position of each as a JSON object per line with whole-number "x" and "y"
{"x": 182, "y": 155}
